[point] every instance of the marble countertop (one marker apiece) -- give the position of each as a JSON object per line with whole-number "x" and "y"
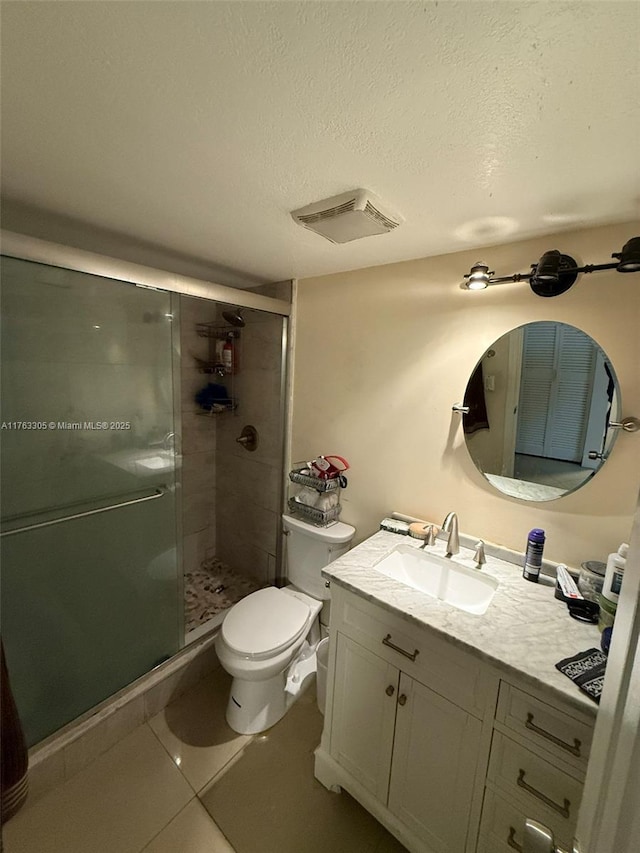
{"x": 525, "y": 630}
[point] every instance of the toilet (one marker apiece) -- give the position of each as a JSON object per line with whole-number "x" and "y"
{"x": 267, "y": 641}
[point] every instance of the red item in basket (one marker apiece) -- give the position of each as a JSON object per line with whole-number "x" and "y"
{"x": 324, "y": 468}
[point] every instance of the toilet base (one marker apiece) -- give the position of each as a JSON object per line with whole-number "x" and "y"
{"x": 254, "y": 706}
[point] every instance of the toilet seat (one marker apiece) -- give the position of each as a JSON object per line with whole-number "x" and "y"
{"x": 265, "y": 623}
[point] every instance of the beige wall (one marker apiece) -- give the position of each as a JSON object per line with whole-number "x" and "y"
{"x": 383, "y": 353}
{"x": 58, "y": 228}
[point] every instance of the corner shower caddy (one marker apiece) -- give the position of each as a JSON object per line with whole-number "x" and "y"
{"x": 216, "y": 332}
{"x": 319, "y": 517}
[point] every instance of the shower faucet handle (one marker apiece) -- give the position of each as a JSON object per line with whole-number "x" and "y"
{"x": 248, "y": 438}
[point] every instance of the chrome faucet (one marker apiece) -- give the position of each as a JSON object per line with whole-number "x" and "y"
{"x": 450, "y": 527}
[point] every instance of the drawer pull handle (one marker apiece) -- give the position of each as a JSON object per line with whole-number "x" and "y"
{"x": 511, "y": 840}
{"x": 562, "y": 810}
{"x": 390, "y": 690}
{"x": 402, "y": 699}
{"x": 387, "y": 642}
{"x": 574, "y": 750}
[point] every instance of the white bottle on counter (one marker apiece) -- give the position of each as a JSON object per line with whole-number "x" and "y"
{"x": 615, "y": 571}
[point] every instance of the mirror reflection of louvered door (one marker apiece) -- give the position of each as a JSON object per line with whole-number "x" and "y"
{"x": 558, "y": 363}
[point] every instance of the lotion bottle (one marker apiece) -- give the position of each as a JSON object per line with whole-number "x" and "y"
{"x": 615, "y": 571}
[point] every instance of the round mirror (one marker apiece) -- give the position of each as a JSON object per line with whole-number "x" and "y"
{"x": 540, "y": 402}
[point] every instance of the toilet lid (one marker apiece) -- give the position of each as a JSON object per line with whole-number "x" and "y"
{"x": 265, "y": 622}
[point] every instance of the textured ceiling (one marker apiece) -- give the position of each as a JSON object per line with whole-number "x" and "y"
{"x": 198, "y": 126}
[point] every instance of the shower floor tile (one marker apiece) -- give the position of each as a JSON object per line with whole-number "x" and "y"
{"x": 211, "y": 589}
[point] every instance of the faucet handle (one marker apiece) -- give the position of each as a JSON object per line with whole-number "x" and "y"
{"x": 479, "y": 555}
{"x": 430, "y": 538}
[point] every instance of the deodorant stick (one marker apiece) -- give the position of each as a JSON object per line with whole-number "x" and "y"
{"x": 533, "y": 556}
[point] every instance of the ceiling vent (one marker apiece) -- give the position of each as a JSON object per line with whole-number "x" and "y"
{"x": 348, "y": 216}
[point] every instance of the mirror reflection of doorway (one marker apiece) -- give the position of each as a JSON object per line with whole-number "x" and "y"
{"x": 547, "y": 393}
{"x": 559, "y": 416}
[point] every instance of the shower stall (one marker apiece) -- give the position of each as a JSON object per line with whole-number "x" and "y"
{"x": 133, "y": 509}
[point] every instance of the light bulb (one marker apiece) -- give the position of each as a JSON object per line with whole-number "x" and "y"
{"x": 479, "y": 276}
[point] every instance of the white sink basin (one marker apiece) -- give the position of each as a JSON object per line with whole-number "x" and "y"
{"x": 467, "y": 589}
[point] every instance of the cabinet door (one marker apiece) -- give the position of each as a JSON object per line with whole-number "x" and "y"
{"x": 434, "y": 764}
{"x": 364, "y": 710}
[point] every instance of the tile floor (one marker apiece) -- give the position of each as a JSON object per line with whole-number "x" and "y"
{"x": 551, "y": 472}
{"x": 185, "y": 783}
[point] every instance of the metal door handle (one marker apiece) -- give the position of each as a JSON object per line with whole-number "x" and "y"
{"x": 402, "y": 699}
{"x": 574, "y": 750}
{"x": 157, "y": 493}
{"x": 390, "y": 690}
{"x": 562, "y": 810}
{"x": 387, "y": 642}
{"x": 539, "y": 839}
{"x": 511, "y": 840}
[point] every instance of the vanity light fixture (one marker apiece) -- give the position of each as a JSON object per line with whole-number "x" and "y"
{"x": 555, "y": 273}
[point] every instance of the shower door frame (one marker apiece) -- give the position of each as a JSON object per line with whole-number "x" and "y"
{"x": 27, "y": 248}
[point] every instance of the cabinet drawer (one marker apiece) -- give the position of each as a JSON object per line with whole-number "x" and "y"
{"x": 539, "y": 786}
{"x": 550, "y": 727}
{"x": 452, "y": 673}
{"x": 502, "y": 827}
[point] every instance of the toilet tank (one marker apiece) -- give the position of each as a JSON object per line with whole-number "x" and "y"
{"x": 310, "y": 549}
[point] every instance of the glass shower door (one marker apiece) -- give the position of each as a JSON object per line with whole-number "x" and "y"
{"x": 91, "y": 595}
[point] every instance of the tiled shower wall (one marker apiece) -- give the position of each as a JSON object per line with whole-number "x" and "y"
{"x": 248, "y": 484}
{"x": 198, "y": 439}
{"x": 232, "y": 497}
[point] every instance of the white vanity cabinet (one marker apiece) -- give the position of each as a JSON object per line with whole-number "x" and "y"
{"x": 539, "y": 757}
{"x": 448, "y": 754}
{"x": 364, "y": 713}
{"x": 435, "y": 756}
{"x": 434, "y": 720}
{"x": 403, "y": 727}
